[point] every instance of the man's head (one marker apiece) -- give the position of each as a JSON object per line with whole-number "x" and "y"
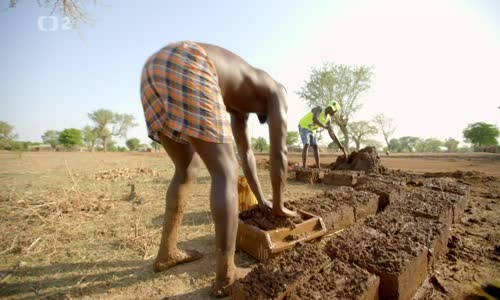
{"x": 329, "y": 111}
{"x": 332, "y": 108}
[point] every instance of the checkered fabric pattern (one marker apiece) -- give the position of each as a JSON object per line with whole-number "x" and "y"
{"x": 181, "y": 96}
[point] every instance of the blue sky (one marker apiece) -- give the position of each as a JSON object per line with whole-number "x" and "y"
{"x": 435, "y": 62}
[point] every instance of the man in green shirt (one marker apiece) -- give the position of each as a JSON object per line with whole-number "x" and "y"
{"x": 316, "y": 118}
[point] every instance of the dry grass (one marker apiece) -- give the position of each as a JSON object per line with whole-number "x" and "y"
{"x": 71, "y": 230}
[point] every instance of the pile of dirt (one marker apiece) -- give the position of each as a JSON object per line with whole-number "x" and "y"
{"x": 365, "y": 159}
{"x": 265, "y": 220}
{"x": 124, "y": 174}
{"x": 273, "y": 279}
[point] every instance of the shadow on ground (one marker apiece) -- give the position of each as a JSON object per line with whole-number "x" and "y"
{"x": 89, "y": 278}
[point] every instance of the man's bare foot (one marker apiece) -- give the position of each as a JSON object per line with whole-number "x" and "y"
{"x": 284, "y": 212}
{"x": 181, "y": 257}
{"x": 222, "y": 287}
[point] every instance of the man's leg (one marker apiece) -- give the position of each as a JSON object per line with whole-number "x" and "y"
{"x": 304, "y": 155}
{"x": 304, "y": 138}
{"x": 187, "y": 164}
{"x": 316, "y": 155}
{"x": 222, "y": 166}
{"x": 314, "y": 145}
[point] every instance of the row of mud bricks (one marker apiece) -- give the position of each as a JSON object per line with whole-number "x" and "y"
{"x": 394, "y": 233}
{"x": 326, "y": 176}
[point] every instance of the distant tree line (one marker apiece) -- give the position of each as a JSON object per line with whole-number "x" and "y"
{"x": 106, "y": 125}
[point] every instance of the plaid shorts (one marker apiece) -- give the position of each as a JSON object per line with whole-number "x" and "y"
{"x": 181, "y": 96}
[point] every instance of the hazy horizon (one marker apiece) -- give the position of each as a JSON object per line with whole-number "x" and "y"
{"x": 435, "y": 62}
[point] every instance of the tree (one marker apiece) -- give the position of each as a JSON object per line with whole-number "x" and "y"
{"x": 6, "y": 135}
{"x": 51, "y": 137}
{"x": 133, "y": 144}
{"x": 104, "y": 118}
{"x": 70, "y": 137}
{"x": 451, "y": 144}
{"x": 404, "y": 144}
{"x": 341, "y": 83}
{"x": 481, "y": 134}
{"x": 292, "y": 137}
{"x": 360, "y": 131}
{"x": 89, "y": 137}
{"x": 74, "y": 10}
{"x": 259, "y": 144}
{"x": 429, "y": 145}
{"x": 156, "y": 146}
{"x": 386, "y": 127}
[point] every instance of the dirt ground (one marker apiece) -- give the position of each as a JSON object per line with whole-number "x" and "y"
{"x": 72, "y": 228}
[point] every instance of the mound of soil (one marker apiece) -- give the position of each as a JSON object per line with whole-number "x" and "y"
{"x": 365, "y": 159}
{"x": 339, "y": 280}
{"x": 265, "y": 220}
{"x": 281, "y": 274}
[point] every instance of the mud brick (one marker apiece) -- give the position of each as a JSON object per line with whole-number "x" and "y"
{"x": 399, "y": 261}
{"x": 340, "y": 217}
{"x": 309, "y": 175}
{"x": 281, "y": 275}
{"x": 342, "y": 178}
{"x": 428, "y": 232}
{"x": 388, "y": 193}
{"x": 441, "y": 184}
{"x": 364, "y": 203}
{"x": 340, "y": 207}
{"x": 457, "y": 193}
{"x": 339, "y": 280}
{"x": 425, "y": 203}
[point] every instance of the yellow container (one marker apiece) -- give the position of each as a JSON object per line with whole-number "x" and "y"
{"x": 246, "y": 199}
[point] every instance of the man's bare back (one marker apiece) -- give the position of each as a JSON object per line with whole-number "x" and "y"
{"x": 186, "y": 113}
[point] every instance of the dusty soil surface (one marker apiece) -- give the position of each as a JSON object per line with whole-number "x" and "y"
{"x": 295, "y": 266}
{"x": 265, "y": 220}
{"x": 339, "y": 280}
{"x": 365, "y": 159}
{"x": 68, "y": 235}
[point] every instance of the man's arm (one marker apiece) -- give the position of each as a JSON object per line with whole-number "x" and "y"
{"x": 278, "y": 153}
{"x": 334, "y": 137}
{"x": 241, "y": 137}
{"x": 316, "y": 111}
